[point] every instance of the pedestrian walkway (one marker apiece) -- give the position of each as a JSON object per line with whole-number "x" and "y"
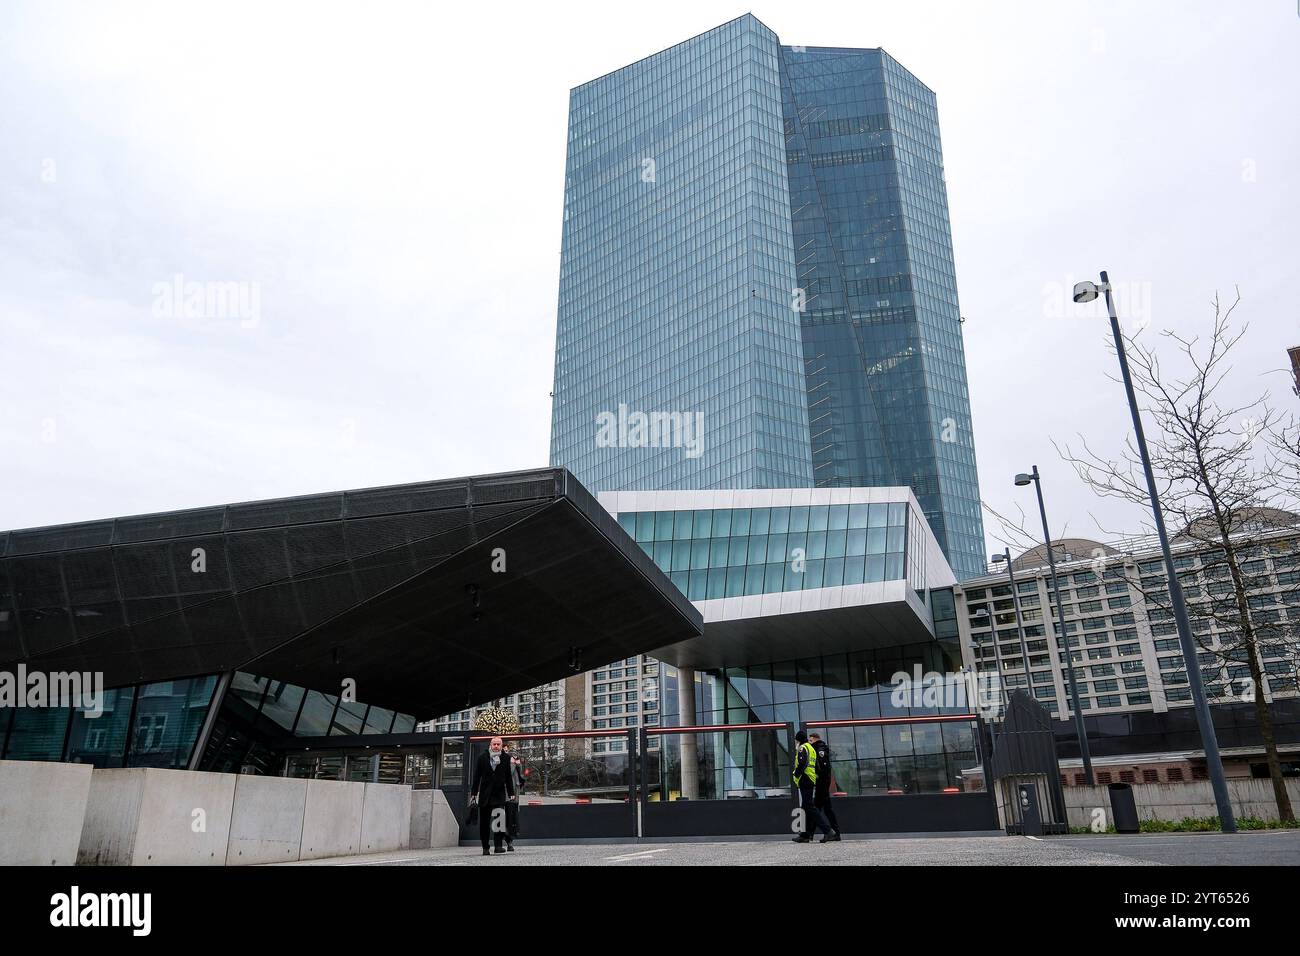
{"x": 1280, "y": 848}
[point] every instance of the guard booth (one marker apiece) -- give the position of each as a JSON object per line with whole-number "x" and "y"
{"x": 577, "y": 784}
{"x": 1026, "y": 772}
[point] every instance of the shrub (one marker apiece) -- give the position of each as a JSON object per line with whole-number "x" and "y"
{"x": 1157, "y": 826}
{"x": 1201, "y": 825}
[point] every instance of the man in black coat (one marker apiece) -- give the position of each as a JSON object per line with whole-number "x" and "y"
{"x": 825, "y": 784}
{"x": 492, "y": 789}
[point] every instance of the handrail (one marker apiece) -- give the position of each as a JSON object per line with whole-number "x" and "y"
{"x": 710, "y": 727}
{"x": 553, "y": 734}
{"x": 863, "y": 721}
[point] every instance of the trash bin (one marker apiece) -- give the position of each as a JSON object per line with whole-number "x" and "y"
{"x": 1123, "y": 807}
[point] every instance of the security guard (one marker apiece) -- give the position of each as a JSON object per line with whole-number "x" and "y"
{"x": 805, "y": 778}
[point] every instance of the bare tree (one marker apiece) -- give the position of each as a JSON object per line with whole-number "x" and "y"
{"x": 1284, "y": 440}
{"x": 551, "y": 763}
{"x": 1219, "y": 485}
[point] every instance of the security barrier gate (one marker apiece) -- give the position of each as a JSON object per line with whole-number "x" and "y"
{"x": 717, "y": 780}
{"x": 942, "y": 792}
{"x": 741, "y": 782}
{"x": 577, "y": 784}
{"x": 709, "y": 780}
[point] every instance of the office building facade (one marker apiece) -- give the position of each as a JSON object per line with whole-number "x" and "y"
{"x": 814, "y": 601}
{"x": 757, "y": 288}
{"x": 1128, "y": 661}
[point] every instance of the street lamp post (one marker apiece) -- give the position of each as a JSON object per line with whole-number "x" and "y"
{"x": 1086, "y": 292}
{"x": 976, "y": 654}
{"x": 997, "y": 654}
{"x": 1020, "y": 624}
{"x": 1080, "y": 729}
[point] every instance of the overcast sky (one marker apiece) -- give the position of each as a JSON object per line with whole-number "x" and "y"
{"x": 387, "y": 180}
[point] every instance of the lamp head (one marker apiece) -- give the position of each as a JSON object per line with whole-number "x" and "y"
{"x": 997, "y": 558}
{"x": 1023, "y": 479}
{"x": 1085, "y": 291}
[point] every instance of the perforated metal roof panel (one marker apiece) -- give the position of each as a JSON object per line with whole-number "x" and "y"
{"x": 393, "y": 588}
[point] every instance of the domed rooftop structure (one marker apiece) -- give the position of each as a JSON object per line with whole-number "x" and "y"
{"x": 1244, "y": 521}
{"x": 1063, "y": 550}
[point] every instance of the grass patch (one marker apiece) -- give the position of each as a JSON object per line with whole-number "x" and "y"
{"x": 1198, "y": 825}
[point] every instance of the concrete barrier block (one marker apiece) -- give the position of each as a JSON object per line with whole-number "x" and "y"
{"x": 112, "y": 812}
{"x": 421, "y": 818}
{"x": 184, "y": 818}
{"x": 266, "y": 824}
{"x": 331, "y": 823}
{"x": 42, "y": 810}
{"x": 444, "y": 828}
{"x": 154, "y": 817}
{"x": 385, "y": 818}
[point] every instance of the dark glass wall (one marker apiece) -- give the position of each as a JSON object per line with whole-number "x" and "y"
{"x": 916, "y": 757}
{"x": 168, "y": 717}
{"x": 101, "y": 741}
{"x": 158, "y": 725}
{"x": 886, "y": 373}
{"x": 151, "y": 725}
{"x": 259, "y": 712}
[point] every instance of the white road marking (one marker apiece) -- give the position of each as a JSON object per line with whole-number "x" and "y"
{"x": 410, "y": 859}
{"x": 636, "y": 856}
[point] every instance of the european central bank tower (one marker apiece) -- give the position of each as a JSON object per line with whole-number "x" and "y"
{"x": 756, "y": 281}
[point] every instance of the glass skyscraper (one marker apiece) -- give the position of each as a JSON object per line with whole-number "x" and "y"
{"x": 756, "y": 283}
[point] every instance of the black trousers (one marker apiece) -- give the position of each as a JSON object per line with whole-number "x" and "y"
{"x": 487, "y": 812}
{"x": 512, "y": 821}
{"x": 814, "y": 818}
{"x": 822, "y": 800}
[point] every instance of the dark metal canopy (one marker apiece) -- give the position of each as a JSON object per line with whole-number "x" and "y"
{"x": 429, "y": 596}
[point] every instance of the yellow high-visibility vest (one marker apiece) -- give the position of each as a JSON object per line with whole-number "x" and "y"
{"x": 809, "y": 771}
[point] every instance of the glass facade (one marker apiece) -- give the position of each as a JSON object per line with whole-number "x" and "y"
{"x": 257, "y": 712}
{"x": 676, "y": 270}
{"x": 894, "y": 752}
{"x": 758, "y": 234}
{"x": 730, "y": 764}
{"x": 729, "y": 552}
{"x": 152, "y": 725}
{"x": 886, "y": 372}
{"x": 158, "y": 724}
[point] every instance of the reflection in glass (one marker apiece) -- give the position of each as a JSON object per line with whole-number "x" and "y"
{"x": 733, "y": 765}
{"x": 37, "y": 733}
{"x": 348, "y": 719}
{"x": 101, "y": 741}
{"x": 317, "y": 711}
{"x": 168, "y": 715}
{"x": 281, "y": 704}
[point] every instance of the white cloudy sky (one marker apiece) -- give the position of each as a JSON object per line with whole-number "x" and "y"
{"x": 390, "y": 177}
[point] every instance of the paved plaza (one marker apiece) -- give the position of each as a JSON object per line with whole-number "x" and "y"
{"x": 1278, "y": 848}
